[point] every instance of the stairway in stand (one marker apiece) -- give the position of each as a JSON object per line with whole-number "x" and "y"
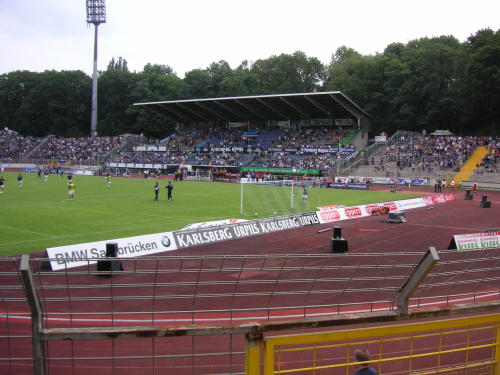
{"x": 470, "y": 165}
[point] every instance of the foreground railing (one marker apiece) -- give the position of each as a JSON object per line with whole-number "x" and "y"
{"x": 84, "y": 320}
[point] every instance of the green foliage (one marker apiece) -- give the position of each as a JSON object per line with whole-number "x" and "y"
{"x": 115, "y": 97}
{"x": 481, "y": 81}
{"x": 121, "y": 64}
{"x": 46, "y": 103}
{"x": 289, "y": 73}
{"x": 39, "y": 215}
{"x": 154, "y": 83}
{"x": 15, "y": 88}
{"x": 413, "y": 87}
{"x": 197, "y": 84}
{"x": 427, "y": 83}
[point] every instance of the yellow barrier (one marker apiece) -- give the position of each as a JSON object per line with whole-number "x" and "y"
{"x": 470, "y": 165}
{"x": 453, "y": 346}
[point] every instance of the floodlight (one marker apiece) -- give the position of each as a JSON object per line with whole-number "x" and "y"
{"x": 96, "y": 11}
{"x": 96, "y": 14}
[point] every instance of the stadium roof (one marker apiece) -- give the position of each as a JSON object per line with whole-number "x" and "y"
{"x": 279, "y": 107}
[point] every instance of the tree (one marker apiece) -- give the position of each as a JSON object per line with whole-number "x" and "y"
{"x": 412, "y": 86}
{"x": 158, "y": 69}
{"x": 68, "y": 100}
{"x": 246, "y": 81}
{"x": 427, "y": 83}
{"x": 481, "y": 82}
{"x": 344, "y": 53}
{"x": 197, "y": 84}
{"x": 344, "y": 71}
{"x": 120, "y": 65}
{"x": 15, "y": 88}
{"x": 429, "y": 87}
{"x": 219, "y": 80}
{"x": 289, "y": 73}
{"x": 362, "y": 79}
{"x": 47, "y": 103}
{"x": 154, "y": 83}
{"x": 114, "y": 97}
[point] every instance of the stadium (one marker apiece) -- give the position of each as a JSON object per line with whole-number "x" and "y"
{"x": 265, "y": 280}
{"x": 282, "y": 217}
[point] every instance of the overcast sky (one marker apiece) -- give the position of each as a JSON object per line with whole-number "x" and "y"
{"x": 40, "y": 35}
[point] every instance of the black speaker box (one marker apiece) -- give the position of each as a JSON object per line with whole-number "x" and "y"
{"x": 109, "y": 265}
{"x": 468, "y": 195}
{"x": 339, "y": 245}
{"x": 111, "y": 249}
{"x": 337, "y": 232}
{"x": 485, "y": 204}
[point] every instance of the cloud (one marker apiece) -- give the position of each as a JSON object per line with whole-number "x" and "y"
{"x": 194, "y": 33}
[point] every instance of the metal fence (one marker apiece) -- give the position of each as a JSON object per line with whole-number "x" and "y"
{"x": 209, "y": 315}
{"x": 454, "y": 346}
{"x": 345, "y": 167}
{"x": 187, "y": 290}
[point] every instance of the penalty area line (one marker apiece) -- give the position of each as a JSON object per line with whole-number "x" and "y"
{"x": 28, "y": 231}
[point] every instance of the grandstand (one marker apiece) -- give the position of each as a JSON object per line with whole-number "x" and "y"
{"x": 413, "y": 155}
{"x": 335, "y": 151}
{"x": 269, "y": 296}
{"x": 321, "y": 131}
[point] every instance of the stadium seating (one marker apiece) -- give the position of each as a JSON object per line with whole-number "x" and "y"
{"x": 429, "y": 156}
{"x": 410, "y": 155}
{"x": 14, "y": 146}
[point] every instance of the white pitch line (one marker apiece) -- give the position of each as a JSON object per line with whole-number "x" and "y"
{"x": 187, "y": 218}
{"x": 77, "y": 235}
{"x": 446, "y": 227}
{"x": 164, "y": 216}
{"x": 28, "y": 231}
{"x": 20, "y": 242}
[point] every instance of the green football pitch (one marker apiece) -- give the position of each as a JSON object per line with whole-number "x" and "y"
{"x": 39, "y": 214}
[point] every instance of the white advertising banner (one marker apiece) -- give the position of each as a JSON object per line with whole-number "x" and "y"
{"x": 210, "y": 232}
{"x": 475, "y": 241}
{"x": 77, "y": 255}
{"x": 215, "y": 223}
{"x": 408, "y": 204}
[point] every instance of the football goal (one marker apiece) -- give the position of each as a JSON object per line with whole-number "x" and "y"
{"x": 277, "y": 198}
{"x": 198, "y": 175}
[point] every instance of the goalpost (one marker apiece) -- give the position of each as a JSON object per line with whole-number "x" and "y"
{"x": 276, "y": 198}
{"x": 198, "y": 175}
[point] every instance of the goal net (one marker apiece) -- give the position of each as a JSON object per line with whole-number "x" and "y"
{"x": 277, "y": 198}
{"x": 198, "y": 175}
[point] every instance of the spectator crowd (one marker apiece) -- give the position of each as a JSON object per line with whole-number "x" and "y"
{"x": 427, "y": 154}
{"x": 304, "y": 148}
{"x": 76, "y": 150}
{"x": 14, "y": 146}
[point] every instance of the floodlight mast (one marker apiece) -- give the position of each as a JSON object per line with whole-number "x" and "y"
{"x": 96, "y": 14}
